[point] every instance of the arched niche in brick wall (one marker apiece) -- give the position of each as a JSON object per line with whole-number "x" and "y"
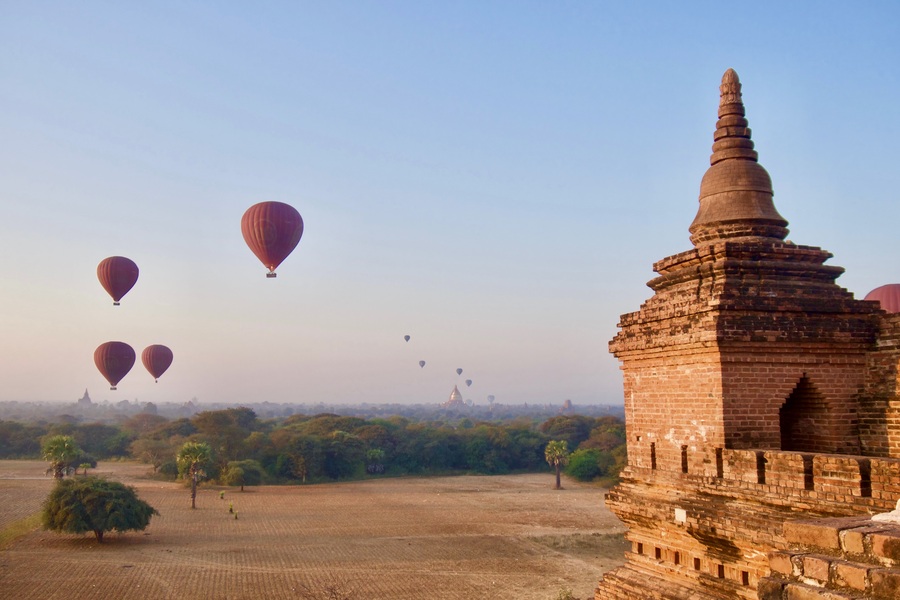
{"x": 804, "y": 419}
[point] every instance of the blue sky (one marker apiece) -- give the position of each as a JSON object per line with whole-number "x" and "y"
{"x": 494, "y": 179}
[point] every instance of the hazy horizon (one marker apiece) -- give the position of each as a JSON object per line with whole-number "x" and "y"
{"x": 495, "y": 180}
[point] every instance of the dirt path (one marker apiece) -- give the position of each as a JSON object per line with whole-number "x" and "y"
{"x": 450, "y": 537}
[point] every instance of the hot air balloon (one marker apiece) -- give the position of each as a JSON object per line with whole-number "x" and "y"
{"x": 114, "y": 360}
{"x": 421, "y": 363}
{"x": 491, "y": 398}
{"x": 459, "y": 371}
{"x": 156, "y": 359}
{"x": 888, "y": 295}
{"x": 117, "y": 275}
{"x": 406, "y": 337}
{"x": 468, "y": 382}
{"x": 272, "y": 230}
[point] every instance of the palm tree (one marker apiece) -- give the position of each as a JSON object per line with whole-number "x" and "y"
{"x": 60, "y": 450}
{"x": 557, "y": 455}
{"x": 191, "y": 459}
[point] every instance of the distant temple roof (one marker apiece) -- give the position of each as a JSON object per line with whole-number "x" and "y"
{"x": 455, "y": 400}
{"x": 86, "y": 399}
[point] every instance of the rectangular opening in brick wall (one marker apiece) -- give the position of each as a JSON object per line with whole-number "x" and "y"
{"x": 653, "y": 455}
{"x": 760, "y": 468}
{"x": 684, "y": 459}
{"x": 720, "y": 463}
{"x": 696, "y": 564}
{"x": 677, "y": 558}
{"x": 640, "y": 548}
{"x": 720, "y": 571}
{"x": 657, "y": 552}
{"x": 808, "y": 483}
{"x": 745, "y": 578}
{"x": 865, "y": 478}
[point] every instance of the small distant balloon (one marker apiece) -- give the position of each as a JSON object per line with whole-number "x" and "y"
{"x": 490, "y": 398}
{"x": 406, "y": 337}
{"x": 114, "y": 360}
{"x": 272, "y": 230}
{"x": 421, "y": 363}
{"x": 156, "y": 358}
{"x": 117, "y": 275}
{"x": 459, "y": 371}
{"x": 468, "y": 382}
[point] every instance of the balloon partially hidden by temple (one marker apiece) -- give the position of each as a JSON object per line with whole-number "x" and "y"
{"x": 157, "y": 359}
{"x": 888, "y": 295}
{"x": 114, "y": 360}
{"x": 272, "y": 230}
{"x": 117, "y": 275}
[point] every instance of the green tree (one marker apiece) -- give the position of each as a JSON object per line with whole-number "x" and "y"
{"x": 374, "y": 460}
{"x": 557, "y": 455}
{"x": 151, "y": 451}
{"x": 60, "y": 450}
{"x": 243, "y": 472}
{"x": 585, "y": 464}
{"x": 192, "y": 460}
{"x": 94, "y": 504}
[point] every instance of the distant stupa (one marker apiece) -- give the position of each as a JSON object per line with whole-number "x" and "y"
{"x": 455, "y": 400}
{"x": 85, "y": 400}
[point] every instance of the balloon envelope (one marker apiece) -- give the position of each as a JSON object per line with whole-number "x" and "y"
{"x": 114, "y": 360}
{"x": 156, "y": 358}
{"x": 459, "y": 371}
{"x": 117, "y": 275}
{"x": 468, "y": 382}
{"x": 888, "y": 295}
{"x": 421, "y": 363}
{"x": 272, "y": 230}
{"x": 406, "y": 337}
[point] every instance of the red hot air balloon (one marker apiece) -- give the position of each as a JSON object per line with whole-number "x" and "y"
{"x": 156, "y": 359}
{"x": 114, "y": 360}
{"x": 117, "y": 275}
{"x": 888, "y": 295}
{"x": 272, "y": 230}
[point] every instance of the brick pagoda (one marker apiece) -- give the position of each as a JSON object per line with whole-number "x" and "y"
{"x": 760, "y": 398}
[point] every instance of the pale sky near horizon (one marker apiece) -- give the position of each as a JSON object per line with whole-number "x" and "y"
{"x": 495, "y": 179}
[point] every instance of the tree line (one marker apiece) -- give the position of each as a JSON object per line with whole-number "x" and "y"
{"x": 245, "y": 450}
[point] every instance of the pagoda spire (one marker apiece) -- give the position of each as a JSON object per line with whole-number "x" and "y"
{"x": 736, "y": 198}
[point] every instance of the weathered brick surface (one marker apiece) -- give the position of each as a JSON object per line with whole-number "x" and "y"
{"x": 885, "y": 584}
{"x": 770, "y": 588}
{"x": 851, "y": 575}
{"x": 816, "y": 568}
{"x": 780, "y": 562}
{"x": 886, "y": 545}
{"x": 798, "y": 591}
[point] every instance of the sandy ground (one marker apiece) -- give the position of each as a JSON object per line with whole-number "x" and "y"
{"x": 445, "y": 537}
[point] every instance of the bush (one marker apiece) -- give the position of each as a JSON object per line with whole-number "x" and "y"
{"x": 585, "y": 464}
{"x": 94, "y": 504}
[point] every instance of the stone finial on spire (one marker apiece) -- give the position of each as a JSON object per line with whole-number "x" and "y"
{"x": 736, "y": 191}
{"x": 732, "y": 136}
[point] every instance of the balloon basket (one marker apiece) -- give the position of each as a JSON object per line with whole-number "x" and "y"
{"x": 271, "y": 275}
{"x": 115, "y": 304}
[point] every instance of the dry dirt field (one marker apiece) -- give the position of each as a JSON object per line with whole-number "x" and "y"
{"x": 465, "y": 538}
